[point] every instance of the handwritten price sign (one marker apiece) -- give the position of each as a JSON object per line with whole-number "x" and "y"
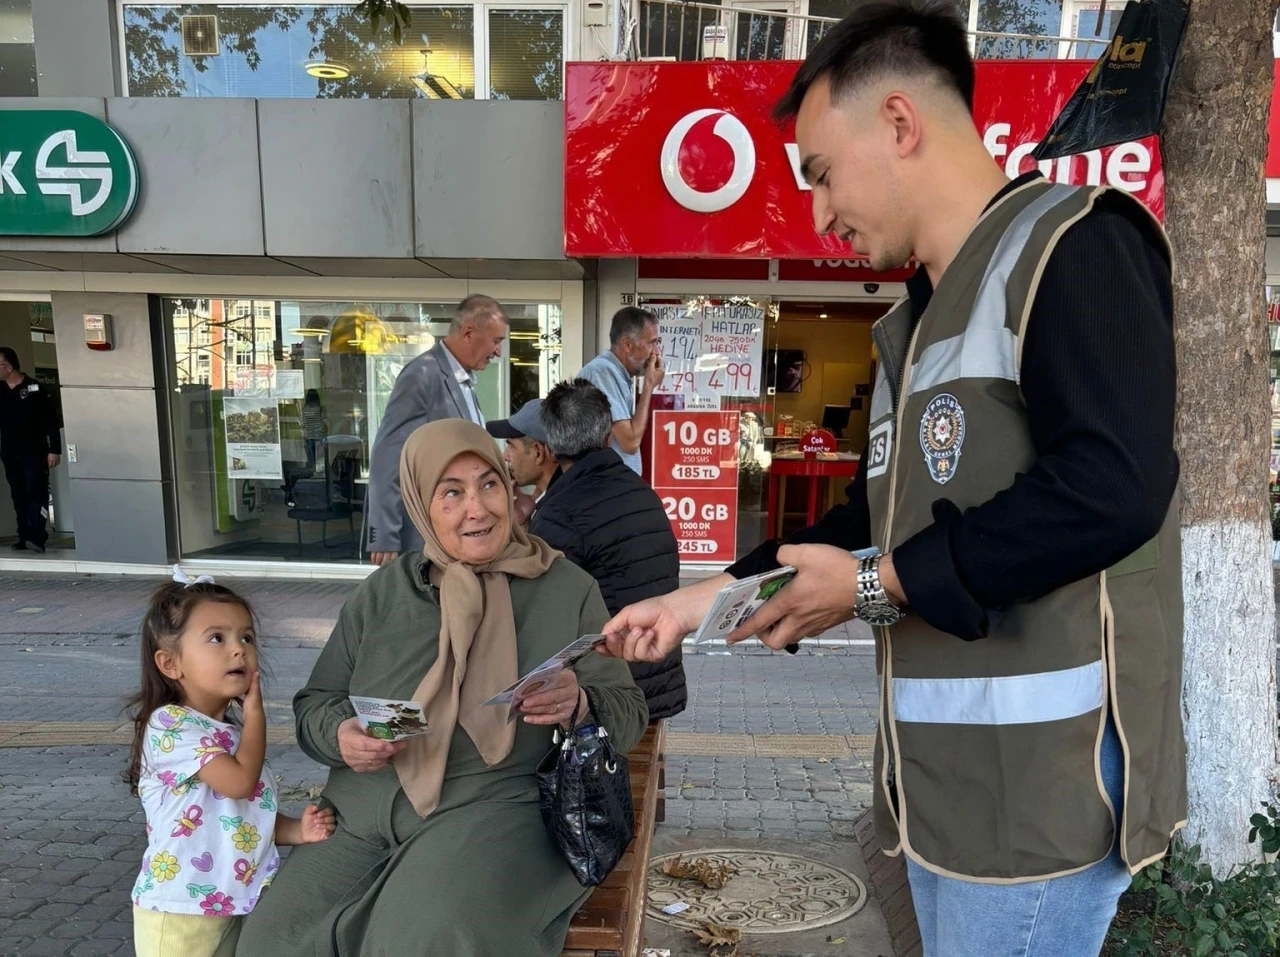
{"x": 712, "y": 351}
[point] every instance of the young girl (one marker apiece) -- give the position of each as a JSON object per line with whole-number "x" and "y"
{"x": 201, "y": 773}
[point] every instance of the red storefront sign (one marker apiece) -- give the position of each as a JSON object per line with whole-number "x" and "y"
{"x": 682, "y": 160}
{"x": 695, "y": 473}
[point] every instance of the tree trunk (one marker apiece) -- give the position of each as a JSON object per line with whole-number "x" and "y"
{"x": 1214, "y": 142}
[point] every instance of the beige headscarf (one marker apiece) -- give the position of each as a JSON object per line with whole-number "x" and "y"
{"x": 477, "y": 657}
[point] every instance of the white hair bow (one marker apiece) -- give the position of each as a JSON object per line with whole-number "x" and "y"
{"x": 183, "y": 578}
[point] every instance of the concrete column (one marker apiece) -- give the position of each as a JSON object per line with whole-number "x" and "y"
{"x": 77, "y": 47}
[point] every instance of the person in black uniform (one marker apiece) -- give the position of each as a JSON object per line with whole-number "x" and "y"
{"x": 30, "y": 446}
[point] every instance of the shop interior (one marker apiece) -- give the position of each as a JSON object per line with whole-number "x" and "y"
{"x": 817, "y": 369}
{"x": 276, "y": 404}
{"x": 27, "y": 328}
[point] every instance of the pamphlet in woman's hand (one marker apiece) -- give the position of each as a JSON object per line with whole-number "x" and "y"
{"x": 738, "y": 601}
{"x": 388, "y": 719}
{"x": 544, "y": 676}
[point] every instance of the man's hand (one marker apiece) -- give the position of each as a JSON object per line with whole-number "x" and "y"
{"x": 821, "y": 596}
{"x": 363, "y": 752}
{"x": 652, "y": 629}
{"x": 53, "y": 461}
{"x": 383, "y": 558}
{"x": 654, "y": 372}
{"x": 524, "y": 505}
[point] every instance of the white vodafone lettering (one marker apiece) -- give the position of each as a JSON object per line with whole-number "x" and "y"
{"x": 1127, "y": 168}
{"x": 7, "y": 162}
{"x": 793, "y": 157}
{"x": 730, "y": 129}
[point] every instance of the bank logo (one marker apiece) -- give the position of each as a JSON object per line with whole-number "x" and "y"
{"x": 728, "y": 128}
{"x": 63, "y": 173}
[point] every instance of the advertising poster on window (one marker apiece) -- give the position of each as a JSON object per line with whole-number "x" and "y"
{"x": 711, "y": 352}
{"x": 259, "y": 381}
{"x": 252, "y": 427}
{"x": 695, "y": 473}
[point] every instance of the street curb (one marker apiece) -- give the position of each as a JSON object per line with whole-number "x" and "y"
{"x": 887, "y": 880}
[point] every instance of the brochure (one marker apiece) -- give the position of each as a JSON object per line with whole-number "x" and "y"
{"x": 389, "y": 719}
{"x": 545, "y": 674}
{"x": 738, "y": 601}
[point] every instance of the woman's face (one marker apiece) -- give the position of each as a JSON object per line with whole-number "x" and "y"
{"x": 470, "y": 511}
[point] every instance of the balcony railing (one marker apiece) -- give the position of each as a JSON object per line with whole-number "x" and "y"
{"x": 758, "y": 30}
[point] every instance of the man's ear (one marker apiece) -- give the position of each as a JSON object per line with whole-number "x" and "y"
{"x": 168, "y": 664}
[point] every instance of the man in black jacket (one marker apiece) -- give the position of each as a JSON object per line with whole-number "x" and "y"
{"x": 30, "y": 445}
{"x": 607, "y": 520}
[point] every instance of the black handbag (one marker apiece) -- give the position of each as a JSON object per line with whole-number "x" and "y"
{"x": 584, "y": 792}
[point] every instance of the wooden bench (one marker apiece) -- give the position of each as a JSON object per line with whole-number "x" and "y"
{"x": 611, "y": 922}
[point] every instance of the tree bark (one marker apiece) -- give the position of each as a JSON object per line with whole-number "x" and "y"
{"x": 1214, "y": 143}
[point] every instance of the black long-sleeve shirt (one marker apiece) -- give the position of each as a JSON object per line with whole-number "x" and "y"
{"x": 1098, "y": 378}
{"x": 28, "y": 420}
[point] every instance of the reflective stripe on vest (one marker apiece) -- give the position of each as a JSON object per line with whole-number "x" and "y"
{"x": 988, "y": 348}
{"x": 1019, "y": 699}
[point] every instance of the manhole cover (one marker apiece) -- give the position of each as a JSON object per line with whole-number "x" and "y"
{"x": 769, "y": 894}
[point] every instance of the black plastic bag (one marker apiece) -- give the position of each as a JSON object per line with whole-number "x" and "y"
{"x": 1123, "y": 96}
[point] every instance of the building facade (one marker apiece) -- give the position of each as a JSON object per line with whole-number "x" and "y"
{"x": 297, "y": 204}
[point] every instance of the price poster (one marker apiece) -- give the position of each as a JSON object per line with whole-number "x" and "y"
{"x": 695, "y": 473}
{"x": 711, "y": 352}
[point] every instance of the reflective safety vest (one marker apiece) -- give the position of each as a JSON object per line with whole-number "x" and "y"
{"x": 987, "y": 753}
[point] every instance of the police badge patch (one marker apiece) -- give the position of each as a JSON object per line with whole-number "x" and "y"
{"x": 942, "y": 436}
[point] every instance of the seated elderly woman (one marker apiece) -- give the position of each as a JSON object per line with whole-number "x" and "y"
{"x": 440, "y": 848}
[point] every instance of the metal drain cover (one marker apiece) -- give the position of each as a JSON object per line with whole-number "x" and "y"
{"x": 770, "y": 893}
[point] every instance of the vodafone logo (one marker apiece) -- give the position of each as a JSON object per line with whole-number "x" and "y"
{"x": 732, "y": 132}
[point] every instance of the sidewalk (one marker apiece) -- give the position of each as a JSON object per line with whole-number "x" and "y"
{"x": 774, "y": 753}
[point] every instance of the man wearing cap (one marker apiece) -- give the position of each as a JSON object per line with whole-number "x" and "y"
{"x": 528, "y": 457}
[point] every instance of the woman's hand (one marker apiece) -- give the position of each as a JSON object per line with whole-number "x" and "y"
{"x": 362, "y": 752}
{"x": 556, "y": 705}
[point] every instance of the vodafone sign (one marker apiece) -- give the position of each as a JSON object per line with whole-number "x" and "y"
{"x": 678, "y": 160}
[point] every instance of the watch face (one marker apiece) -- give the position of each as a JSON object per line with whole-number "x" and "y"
{"x": 880, "y": 614}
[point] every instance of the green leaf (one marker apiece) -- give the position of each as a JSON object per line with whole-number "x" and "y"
{"x": 1258, "y": 820}
{"x": 1219, "y": 912}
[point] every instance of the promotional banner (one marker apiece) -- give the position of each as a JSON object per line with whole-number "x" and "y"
{"x": 682, "y": 160}
{"x": 695, "y": 473}
{"x": 253, "y": 438}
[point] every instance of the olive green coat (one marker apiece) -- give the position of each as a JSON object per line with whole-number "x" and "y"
{"x": 479, "y": 877}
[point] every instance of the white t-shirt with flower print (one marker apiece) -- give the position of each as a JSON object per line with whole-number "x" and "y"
{"x": 206, "y": 854}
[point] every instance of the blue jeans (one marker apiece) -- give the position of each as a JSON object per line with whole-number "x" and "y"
{"x": 1064, "y": 917}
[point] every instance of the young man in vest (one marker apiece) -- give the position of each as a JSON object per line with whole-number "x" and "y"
{"x": 1013, "y": 532}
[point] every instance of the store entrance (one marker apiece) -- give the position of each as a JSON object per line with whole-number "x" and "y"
{"x": 26, "y": 327}
{"x": 768, "y": 370}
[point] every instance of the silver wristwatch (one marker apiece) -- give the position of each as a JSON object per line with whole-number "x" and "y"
{"x": 872, "y": 603}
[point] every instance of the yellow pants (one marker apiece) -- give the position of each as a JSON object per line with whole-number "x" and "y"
{"x": 184, "y": 935}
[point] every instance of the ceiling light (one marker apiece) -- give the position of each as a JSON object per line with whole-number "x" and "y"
{"x": 327, "y": 70}
{"x": 822, "y": 315}
{"x": 435, "y": 87}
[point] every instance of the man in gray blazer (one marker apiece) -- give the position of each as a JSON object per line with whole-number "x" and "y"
{"x": 439, "y": 384}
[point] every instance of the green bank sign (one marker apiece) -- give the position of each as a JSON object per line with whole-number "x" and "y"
{"x": 63, "y": 173}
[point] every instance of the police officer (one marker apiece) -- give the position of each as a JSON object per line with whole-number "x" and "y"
{"x": 30, "y": 445}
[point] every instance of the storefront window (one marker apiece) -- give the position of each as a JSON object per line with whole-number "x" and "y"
{"x": 761, "y": 373}
{"x": 329, "y": 51}
{"x": 17, "y": 49}
{"x": 276, "y": 404}
{"x": 1028, "y": 17}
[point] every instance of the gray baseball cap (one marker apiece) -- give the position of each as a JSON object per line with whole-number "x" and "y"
{"x": 525, "y": 423}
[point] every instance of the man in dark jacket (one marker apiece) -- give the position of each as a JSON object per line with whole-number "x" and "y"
{"x": 606, "y": 519}
{"x": 30, "y": 446}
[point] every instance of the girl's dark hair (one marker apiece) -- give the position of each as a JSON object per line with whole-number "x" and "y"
{"x": 166, "y": 617}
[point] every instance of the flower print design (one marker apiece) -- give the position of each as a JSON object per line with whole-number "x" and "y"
{"x": 164, "y": 867}
{"x": 187, "y": 823}
{"x": 230, "y": 823}
{"x": 170, "y": 720}
{"x": 195, "y": 890}
{"x": 258, "y": 791}
{"x": 245, "y": 871}
{"x": 218, "y": 904}
{"x": 268, "y": 801}
{"x": 246, "y": 838}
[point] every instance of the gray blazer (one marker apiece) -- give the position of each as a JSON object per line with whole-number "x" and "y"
{"x": 425, "y": 391}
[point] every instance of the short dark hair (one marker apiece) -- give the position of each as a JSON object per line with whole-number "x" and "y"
{"x": 629, "y": 321}
{"x": 11, "y": 357}
{"x": 577, "y": 419}
{"x": 885, "y": 37}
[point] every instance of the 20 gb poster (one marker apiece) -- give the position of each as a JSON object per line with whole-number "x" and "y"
{"x": 695, "y": 473}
